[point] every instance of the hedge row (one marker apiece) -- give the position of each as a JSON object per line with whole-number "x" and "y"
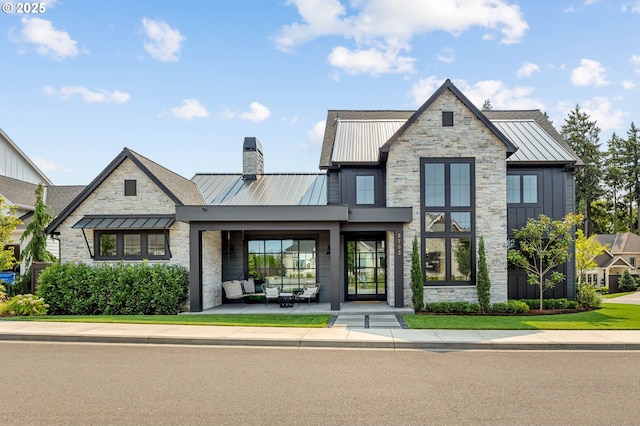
{"x": 120, "y": 289}
{"x": 510, "y": 307}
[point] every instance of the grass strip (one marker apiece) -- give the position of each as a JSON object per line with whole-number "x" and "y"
{"x": 610, "y": 317}
{"x": 252, "y": 320}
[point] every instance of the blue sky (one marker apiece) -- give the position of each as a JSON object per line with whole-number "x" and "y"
{"x": 184, "y": 82}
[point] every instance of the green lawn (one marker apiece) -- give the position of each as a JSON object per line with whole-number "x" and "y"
{"x": 610, "y": 317}
{"x": 267, "y": 320}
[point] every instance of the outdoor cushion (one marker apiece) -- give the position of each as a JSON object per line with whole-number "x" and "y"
{"x": 249, "y": 286}
{"x": 233, "y": 289}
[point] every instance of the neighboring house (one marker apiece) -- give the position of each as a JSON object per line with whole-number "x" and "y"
{"x": 623, "y": 253}
{"x": 19, "y": 179}
{"x": 446, "y": 174}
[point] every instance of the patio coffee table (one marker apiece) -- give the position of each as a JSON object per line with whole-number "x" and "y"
{"x": 286, "y": 300}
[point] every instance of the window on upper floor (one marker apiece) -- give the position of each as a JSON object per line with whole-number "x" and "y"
{"x": 632, "y": 262}
{"x": 365, "y": 190}
{"x": 522, "y": 189}
{"x": 130, "y": 188}
{"x": 448, "y": 214}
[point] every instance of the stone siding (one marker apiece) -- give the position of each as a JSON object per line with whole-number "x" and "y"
{"x": 211, "y": 269}
{"x": 468, "y": 138}
{"x": 109, "y": 198}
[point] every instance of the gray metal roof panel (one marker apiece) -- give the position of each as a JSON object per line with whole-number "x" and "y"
{"x": 267, "y": 189}
{"x": 534, "y": 144}
{"x": 359, "y": 141}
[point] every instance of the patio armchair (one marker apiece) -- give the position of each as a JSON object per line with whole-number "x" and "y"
{"x": 270, "y": 293}
{"x": 310, "y": 293}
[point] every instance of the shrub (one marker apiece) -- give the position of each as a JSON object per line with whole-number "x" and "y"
{"x": 511, "y": 307}
{"x": 3, "y": 295}
{"x": 587, "y": 296}
{"x": 453, "y": 307}
{"x": 121, "y": 289}
{"x": 560, "y": 303}
{"x": 484, "y": 283}
{"x": 24, "y": 305}
{"x": 572, "y": 304}
{"x": 602, "y": 290}
{"x": 627, "y": 283}
{"x": 417, "y": 279}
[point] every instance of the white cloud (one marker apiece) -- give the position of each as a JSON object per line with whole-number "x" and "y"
{"x": 48, "y": 41}
{"x": 589, "y": 73}
{"x": 315, "y": 135}
{"x": 527, "y": 69}
{"x": 447, "y": 55}
{"x": 381, "y": 28}
{"x": 190, "y": 110}
{"x": 257, "y": 113}
{"x": 628, "y": 84}
{"x": 500, "y": 95}
{"x": 372, "y": 61}
{"x": 635, "y": 61}
{"x": 163, "y": 42}
{"x": 600, "y": 109}
{"x": 89, "y": 96}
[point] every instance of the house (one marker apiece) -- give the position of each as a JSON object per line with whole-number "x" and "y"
{"x": 622, "y": 253}
{"x": 444, "y": 174}
{"x": 19, "y": 179}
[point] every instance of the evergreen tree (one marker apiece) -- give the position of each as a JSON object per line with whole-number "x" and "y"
{"x": 36, "y": 248}
{"x": 583, "y": 136}
{"x": 483, "y": 287}
{"x": 614, "y": 175}
{"x": 417, "y": 279}
{"x": 486, "y": 106}
{"x": 633, "y": 171}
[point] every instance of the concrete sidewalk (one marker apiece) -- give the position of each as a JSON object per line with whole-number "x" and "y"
{"x": 334, "y": 337}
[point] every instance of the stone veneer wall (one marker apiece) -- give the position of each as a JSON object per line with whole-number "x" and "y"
{"x": 468, "y": 137}
{"x": 109, "y": 198}
{"x": 211, "y": 269}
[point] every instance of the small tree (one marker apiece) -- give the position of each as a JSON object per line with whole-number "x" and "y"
{"x": 544, "y": 244}
{"x": 417, "y": 280}
{"x": 587, "y": 248}
{"x": 8, "y": 224}
{"x": 36, "y": 248}
{"x": 483, "y": 287}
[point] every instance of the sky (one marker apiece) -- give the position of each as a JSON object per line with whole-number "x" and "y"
{"x": 183, "y": 83}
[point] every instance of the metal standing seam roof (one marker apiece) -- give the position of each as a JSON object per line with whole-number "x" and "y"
{"x": 125, "y": 222}
{"x": 534, "y": 144}
{"x": 359, "y": 141}
{"x": 278, "y": 189}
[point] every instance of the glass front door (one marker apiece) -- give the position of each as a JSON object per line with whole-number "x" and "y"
{"x": 366, "y": 269}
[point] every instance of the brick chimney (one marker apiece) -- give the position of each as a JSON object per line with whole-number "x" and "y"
{"x": 252, "y": 159}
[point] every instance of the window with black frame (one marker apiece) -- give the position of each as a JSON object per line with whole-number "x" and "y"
{"x": 290, "y": 263}
{"x": 448, "y": 213}
{"x": 131, "y": 245}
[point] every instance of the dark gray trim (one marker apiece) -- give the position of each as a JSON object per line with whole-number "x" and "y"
{"x": 334, "y": 260}
{"x": 398, "y": 244}
{"x": 195, "y": 268}
{"x": 261, "y": 213}
{"x": 381, "y": 214}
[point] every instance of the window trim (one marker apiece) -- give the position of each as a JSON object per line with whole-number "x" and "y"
{"x": 448, "y": 234}
{"x": 373, "y": 189}
{"x": 144, "y": 244}
{"x": 521, "y": 176}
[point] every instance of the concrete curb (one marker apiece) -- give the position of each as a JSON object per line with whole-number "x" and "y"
{"x": 321, "y": 343}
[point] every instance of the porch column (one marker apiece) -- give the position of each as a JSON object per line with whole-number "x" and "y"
{"x": 334, "y": 259}
{"x": 195, "y": 268}
{"x": 398, "y": 269}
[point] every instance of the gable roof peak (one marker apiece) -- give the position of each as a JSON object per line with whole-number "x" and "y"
{"x": 448, "y": 85}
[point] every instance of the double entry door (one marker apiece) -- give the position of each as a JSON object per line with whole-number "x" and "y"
{"x": 366, "y": 265}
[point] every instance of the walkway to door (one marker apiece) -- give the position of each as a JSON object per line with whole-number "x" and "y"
{"x": 373, "y": 314}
